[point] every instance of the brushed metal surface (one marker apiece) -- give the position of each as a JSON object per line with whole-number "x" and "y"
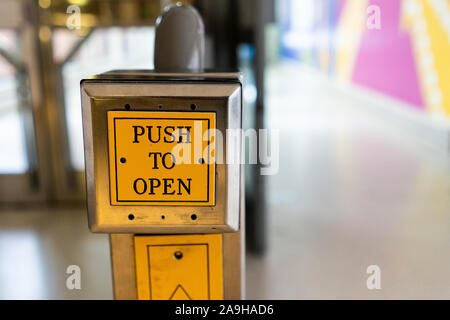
{"x": 102, "y": 95}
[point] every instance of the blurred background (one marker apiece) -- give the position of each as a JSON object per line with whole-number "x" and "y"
{"x": 358, "y": 89}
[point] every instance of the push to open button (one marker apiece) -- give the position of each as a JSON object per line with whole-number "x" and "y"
{"x": 163, "y": 151}
{"x": 162, "y": 158}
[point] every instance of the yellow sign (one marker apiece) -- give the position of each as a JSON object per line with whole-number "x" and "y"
{"x": 179, "y": 267}
{"x": 161, "y": 158}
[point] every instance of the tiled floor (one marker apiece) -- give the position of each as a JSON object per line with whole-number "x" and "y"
{"x": 352, "y": 191}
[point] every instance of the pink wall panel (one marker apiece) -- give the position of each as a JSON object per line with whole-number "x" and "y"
{"x": 385, "y": 60}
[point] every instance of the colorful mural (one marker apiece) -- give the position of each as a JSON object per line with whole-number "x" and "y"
{"x": 428, "y": 24}
{"x": 405, "y": 54}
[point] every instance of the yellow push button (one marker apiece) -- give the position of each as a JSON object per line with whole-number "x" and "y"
{"x": 161, "y": 158}
{"x": 179, "y": 267}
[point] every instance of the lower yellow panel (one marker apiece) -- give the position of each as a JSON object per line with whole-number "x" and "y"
{"x": 179, "y": 267}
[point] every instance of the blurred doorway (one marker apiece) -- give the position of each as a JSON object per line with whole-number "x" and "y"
{"x": 19, "y": 172}
{"x": 46, "y": 48}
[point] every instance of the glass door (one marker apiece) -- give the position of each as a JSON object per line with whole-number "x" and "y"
{"x": 20, "y": 177}
{"x": 46, "y": 48}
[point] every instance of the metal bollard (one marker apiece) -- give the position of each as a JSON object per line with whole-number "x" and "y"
{"x": 161, "y": 170}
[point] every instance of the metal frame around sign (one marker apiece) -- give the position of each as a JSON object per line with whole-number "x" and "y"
{"x": 100, "y": 95}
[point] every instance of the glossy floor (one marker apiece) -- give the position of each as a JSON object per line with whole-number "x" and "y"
{"x": 352, "y": 190}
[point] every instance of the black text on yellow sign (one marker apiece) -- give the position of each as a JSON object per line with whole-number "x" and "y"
{"x": 161, "y": 158}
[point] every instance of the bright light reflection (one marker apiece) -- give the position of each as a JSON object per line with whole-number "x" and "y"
{"x": 21, "y": 273}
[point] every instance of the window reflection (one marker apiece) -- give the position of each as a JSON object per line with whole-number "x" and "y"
{"x": 21, "y": 274}
{"x": 13, "y": 158}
